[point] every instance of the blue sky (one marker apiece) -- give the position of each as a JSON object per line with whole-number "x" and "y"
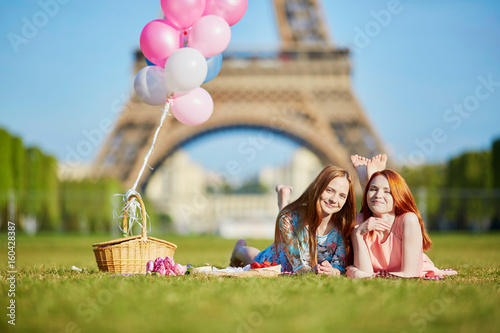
{"x": 412, "y": 74}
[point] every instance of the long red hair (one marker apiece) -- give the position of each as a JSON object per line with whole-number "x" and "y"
{"x": 403, "y": 201}
{"x": 309, "y": 209}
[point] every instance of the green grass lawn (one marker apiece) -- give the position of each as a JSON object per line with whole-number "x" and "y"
{"x": 50, "y": 297}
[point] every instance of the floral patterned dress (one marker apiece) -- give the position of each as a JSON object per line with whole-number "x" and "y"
{"x": 293, "y": 250}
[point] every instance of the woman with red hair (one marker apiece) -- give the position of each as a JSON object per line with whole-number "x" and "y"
{"x": 390, "y": 235}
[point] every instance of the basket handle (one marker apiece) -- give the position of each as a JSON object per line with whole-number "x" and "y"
{"x": 144, "y": 217}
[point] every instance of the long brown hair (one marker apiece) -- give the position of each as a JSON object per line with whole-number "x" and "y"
{"x": 403, "y": 201}
{"x": 309, "y": 209}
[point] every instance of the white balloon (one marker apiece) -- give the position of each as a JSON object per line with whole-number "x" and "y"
{"x": 185, "y": 70}
{"x": 150, "y": 85}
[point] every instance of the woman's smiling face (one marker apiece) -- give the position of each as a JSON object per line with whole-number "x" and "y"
{"x": 334, "y": 196}
{"x": 379, "y": 197}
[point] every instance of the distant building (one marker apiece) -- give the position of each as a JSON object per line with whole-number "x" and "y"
{"x": 304, "y": 166}
{"x": 178, "y": 188}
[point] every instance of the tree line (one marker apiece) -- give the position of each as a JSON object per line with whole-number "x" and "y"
{"x": 33, "y": 196}
{"x": 462, "y": 194}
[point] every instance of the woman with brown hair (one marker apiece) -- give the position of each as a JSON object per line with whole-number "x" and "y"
{"x": 312, "y": 233}
{"x": 390, "y": 235}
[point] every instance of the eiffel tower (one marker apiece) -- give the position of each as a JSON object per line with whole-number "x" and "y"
{"x": 303, "y": 91}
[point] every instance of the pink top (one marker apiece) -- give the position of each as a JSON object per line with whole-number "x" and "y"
{"x": 386, "y": 254}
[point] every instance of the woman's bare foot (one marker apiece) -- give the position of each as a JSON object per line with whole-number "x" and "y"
{"x": 284, "y": 192}
{"x": 377, "y": 163}
{"x": 360, "y": 163}
{"x": 235, "y": 262}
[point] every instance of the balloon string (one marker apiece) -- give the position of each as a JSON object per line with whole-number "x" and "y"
{"x": 133, "y": 206}
{"x": 166, "y": 112}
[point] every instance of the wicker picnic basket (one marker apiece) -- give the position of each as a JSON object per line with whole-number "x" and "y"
{"x": 130, "y": 254}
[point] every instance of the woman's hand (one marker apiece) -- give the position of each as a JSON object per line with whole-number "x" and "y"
{"x": 373, "y": 224}
{"x": 326, "y": 268}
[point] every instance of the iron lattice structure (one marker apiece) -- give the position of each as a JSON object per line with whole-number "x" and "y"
{"x": 303, "y": 91}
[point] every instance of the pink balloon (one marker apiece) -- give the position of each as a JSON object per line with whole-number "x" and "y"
{"x": 230, "y": 10}
{"x": 193, "y": 108}
{"x": 182, "y": 13}
{"x": 159, "y": 40}
{"x": 210, "y": 35}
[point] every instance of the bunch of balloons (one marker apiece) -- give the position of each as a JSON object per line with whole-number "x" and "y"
{"x": 183, "y": 51}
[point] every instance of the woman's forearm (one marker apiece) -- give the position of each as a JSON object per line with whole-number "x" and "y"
{"x": 402, "y": 274}
{"x": 361, "y": 255}
{"x": 355, "y": 273}
{"x": 412, "y": 247}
